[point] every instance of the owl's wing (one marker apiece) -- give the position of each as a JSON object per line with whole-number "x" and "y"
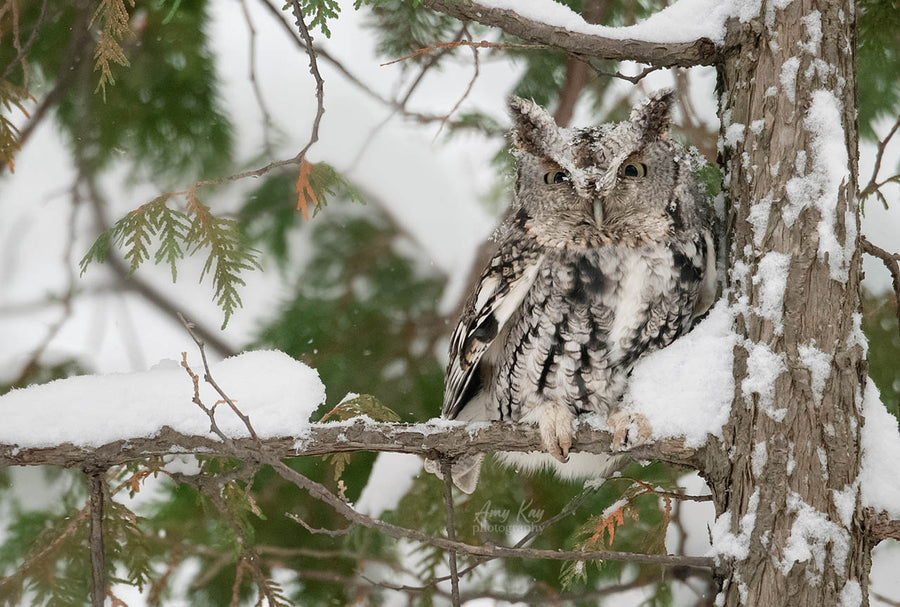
{"x": 498, "y": 295}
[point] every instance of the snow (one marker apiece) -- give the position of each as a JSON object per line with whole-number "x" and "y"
{"x": 771, "y": 276}
{"x": 678, "y": 22}
{"x": 845, "y": 502}
{"x": 763, "y": 369}
{"x": 391, "y": 478}
{"x": 277, "y": 392}
{"x": 726, "y": 544}
{"x": 686, "y": 389}
{"x": 851, "y": 594}
{"x": 758, "y": 458}
{"x": 820, "y": 188}
{"x": 788, "y": 77}
{"x": 830, "y": 167}
{"x": 813, "y": 23}
{"x": 811, "y": 533}
{"x": 880, "y": 441}
{"x": 734, "y": 134}
{"x": 819, "y": 365}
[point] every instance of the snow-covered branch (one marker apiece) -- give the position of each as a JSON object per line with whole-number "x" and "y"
{"x": 360, "y": 434}
{"x": 667, "y": 42}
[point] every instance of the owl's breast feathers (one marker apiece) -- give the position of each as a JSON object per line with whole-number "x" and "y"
{"x": 566, "y": 324}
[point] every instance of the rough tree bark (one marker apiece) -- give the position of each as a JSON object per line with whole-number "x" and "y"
{"x": 792, "y": 453}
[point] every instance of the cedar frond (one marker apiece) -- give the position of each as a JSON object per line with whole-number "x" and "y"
{"x": 174, "y": 232}
{"x": 317, "y": 182}
{"x": 112, "y": 18}
{"x": 11, "y": 97}
{"x": 320, "y": 11}
{"x": 228, "y": 254}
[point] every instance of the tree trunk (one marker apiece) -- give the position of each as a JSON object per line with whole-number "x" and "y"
{"x": 788, "y": 487}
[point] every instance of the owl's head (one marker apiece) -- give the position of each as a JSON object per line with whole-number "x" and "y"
{"x": 626, "y": 178}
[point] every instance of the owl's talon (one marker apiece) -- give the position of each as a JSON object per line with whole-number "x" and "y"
{"x": 629, "y": 430}
{"x": 555, "y": 423}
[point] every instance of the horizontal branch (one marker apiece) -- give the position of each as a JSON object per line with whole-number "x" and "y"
{"x": 885, "y": 528}
{"x": 682, "y": 54}
{"x": 429, "y": 439}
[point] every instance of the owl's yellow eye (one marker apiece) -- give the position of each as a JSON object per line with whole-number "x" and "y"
{"x": 555, "y": 177}
{"x": 635, "y": 169}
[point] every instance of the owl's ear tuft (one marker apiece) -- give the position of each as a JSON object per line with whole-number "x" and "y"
{"x": 653, "y": 116}
{"x": 534, "y": 130}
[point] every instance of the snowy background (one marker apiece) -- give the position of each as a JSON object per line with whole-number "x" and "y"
{"x": 431, "y": 187}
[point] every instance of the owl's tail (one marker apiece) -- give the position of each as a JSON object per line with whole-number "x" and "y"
{"x": 464, "y": 471}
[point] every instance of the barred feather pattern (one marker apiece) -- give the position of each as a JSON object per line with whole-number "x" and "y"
{"x": 606, "y": 254}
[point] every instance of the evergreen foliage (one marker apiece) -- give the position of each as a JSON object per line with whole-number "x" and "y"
{"x": 878, "y": 57}
{"x": 176, "y": 232}
{"x": 359, "y": 305}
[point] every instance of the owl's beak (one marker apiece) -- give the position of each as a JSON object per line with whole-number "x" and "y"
{"x": 598, "y": 211}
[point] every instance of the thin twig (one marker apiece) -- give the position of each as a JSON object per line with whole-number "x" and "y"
{"x": 891, "y": 262}
{"x": 451, "y": 529}
{"x": 873, "y": 186}
{"x": 319, "y": 492}
{"x": 22, "y": 51}
{"x": 254, "y": 81}
{"x": 399, "y": 106}
{"x": 632, "y": 79}
{"x": 884, "y": 599}
{"x": 208, "y": 378}
{"x": 334, "y": 62}
{"x": 318, "y": 530}
{"x": 469, "y": 43}
{"x": 320, "y": 84}
{"x": 464, "y": 95}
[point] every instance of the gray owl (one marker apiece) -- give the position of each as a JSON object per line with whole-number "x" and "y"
{"x": 606, "y": 253}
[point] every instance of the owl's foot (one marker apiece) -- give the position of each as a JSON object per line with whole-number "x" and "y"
{"x": 555, "y": 423}
{"x": 629, "y": 430}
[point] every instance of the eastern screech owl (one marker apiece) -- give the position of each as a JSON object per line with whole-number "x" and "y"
{"x": 606, "y": 253}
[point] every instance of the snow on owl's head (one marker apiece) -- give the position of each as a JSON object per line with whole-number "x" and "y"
{"x": 628, "y": 176}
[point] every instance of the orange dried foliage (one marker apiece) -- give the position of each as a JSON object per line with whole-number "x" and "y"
{"x": 305, "y": 190}
{"x": 609, "y": 525}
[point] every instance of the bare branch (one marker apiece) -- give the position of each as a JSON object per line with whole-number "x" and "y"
{"x": 319, "y": 492}
{"x": 884, "y": 528}
{"x": 684, "y": 54}
{"x": 254, "y": 81}
{"x": 873, "y": 186}
{"x": 891, "y": 262}
{"x": 208, "y": 378}
{"x": 884, "y": 599}
{"x": 320, "y": 84}
{"x": 632, "y": 79}
{"x": 470, "y": 43}
{"x": 465, "y": 93}
{"x": 21, "y": 57}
